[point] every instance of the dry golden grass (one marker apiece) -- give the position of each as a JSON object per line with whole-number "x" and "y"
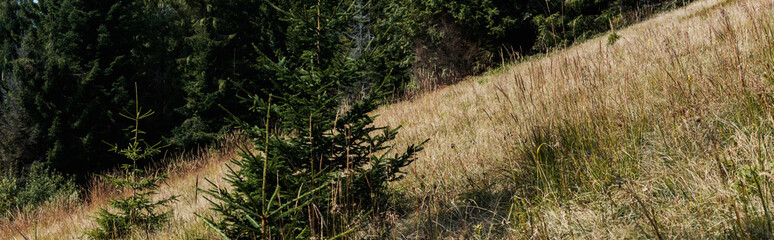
{"x": 68, "y": 220}
{"x": 643, "y": 138}
{"x": 664, "y": 134}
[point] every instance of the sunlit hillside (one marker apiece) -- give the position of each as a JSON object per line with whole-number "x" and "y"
{"x": 666, "y": 133}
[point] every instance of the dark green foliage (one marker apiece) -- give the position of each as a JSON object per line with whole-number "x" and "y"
{"x": 137, "y": 211}
{"x": 81, "y": 58}
{"x": 259, "y": 206}
{"x": 574, "y": 21}
{"x": 317, "y": 165}
{"x": 32, "y": 186}
{"x": 18, "y": 134}
{"x": 13, "y": 22}
{"x": 42, "y": 183}
{"x": 445, "y": 41}
{"x": 227, "y": 41}
{"x": 448, "y": 40}
{"x": 67, "y": 65}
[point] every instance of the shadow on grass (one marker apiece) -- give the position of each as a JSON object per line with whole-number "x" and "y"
{"x": 478, "y": 213}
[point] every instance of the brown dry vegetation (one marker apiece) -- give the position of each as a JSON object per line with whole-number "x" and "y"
{"x": 664, "y": 134}
{"x": 68, "y": 220}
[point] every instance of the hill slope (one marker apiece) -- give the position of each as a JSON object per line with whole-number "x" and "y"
{"x": 657, "y": 131}
{"x": 664, "y": 133}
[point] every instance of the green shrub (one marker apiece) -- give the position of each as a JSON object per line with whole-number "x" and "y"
{"x": 36, "y": 185}
{"x": 43, "y": 183}
{"x": 137, "y": 211}
{"x": 614, "y": 36}
{"x": 8, "y": 190}
{"x": 192, "y": 132}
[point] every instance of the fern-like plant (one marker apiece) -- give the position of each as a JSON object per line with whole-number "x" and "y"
{"x": 138, "y": 210}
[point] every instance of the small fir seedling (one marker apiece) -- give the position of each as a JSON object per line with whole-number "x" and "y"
{"x": 138, "y": 210}
{"x": 614, "y": 36}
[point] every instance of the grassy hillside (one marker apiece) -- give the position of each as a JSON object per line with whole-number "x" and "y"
{"x": 667, "y": 132}
{"x": 664, "y": 134}
{"x": 68, "y": 220}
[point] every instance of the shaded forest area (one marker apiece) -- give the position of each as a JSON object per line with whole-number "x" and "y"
{"x": 69, "y": 67}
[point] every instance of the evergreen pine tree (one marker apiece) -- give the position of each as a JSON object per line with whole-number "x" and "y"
{"x": 222, "y": 64}
{"x": 138, "y": 210}
{"x": 11, "y": 26}
{"x": 18, "y": 134}
{"x": 84, "y": 55}
{"x": 318, "y": 165}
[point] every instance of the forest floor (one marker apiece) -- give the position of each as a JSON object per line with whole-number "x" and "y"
{"x": 667, "y": 132}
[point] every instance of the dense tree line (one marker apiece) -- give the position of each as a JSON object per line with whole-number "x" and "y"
{"x": 68, "y": 65}
{"x": 448, "y": 40}
{"x": 298, "y": 78}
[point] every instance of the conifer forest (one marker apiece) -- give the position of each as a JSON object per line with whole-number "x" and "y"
{"x": 386, "y": 119}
